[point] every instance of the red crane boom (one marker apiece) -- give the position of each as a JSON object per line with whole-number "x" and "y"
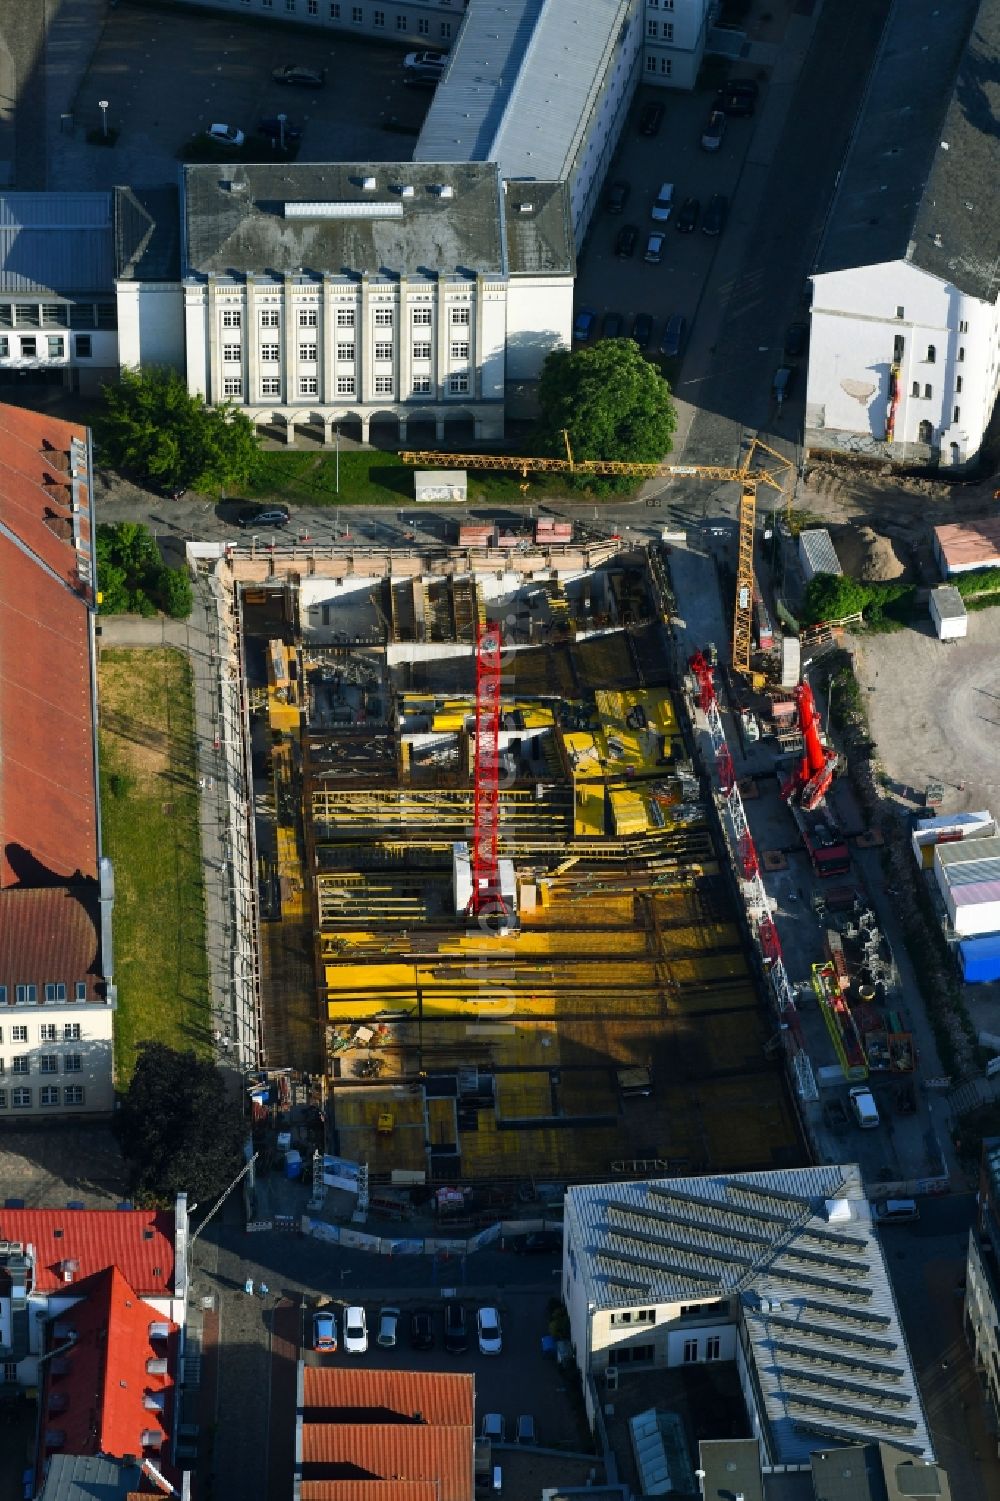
{"x": 486, "y": 896}
{"x": 812, "y": 779}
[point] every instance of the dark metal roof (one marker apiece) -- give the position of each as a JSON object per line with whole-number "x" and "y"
{"x": 147, "y": 234}
{"x": 77, "y": 1477}
{"x": 56, "y": 242}
{"x": 920, "y": 179}
{"x": 235, "y": 219}
{"x": 539, "y": 229}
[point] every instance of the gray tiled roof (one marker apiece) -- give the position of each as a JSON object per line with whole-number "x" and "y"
{"x": 87, "y": 1477}
{"x": 814, "y": 1295}
{"x": 56, "y": 242}
{"x": 920, "y": 179}
{"x": 235, "y": 221}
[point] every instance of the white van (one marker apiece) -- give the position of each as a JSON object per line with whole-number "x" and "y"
{"x": 891, "y": 1211}
{"x": 864, "y": 1107}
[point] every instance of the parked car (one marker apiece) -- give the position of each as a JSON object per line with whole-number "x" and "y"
{"x": 663, "y": 203}
{"x": 263, "y": 516}
{"x": 642, "y": 332}
{"x": 737, "y": 97}
{"x": 422, "y": 78}
{"x": 456, "y": 1333}
{"x": 526, "y": 1429}
{"x": 651, "y": 119}
{"x": 611, "y": 325}
{"x": 584, "y": 324}
{"x": 715, "y": 129}
{"x": 784, "y": 378}
{"x": 714, "y": 219}
{"x": 271, "y": 127}
{"x": 421, "y": 1330}
{"x": 863, "y": 1105}
{"x": 426, "y": 61}
{"x": 625, "y": 241}
{"x": 324, "y": 1332}
{"x": 488, "y": 1327}
{"x": 687, "y": 215}
{"x": 617, "y": 196}
{"x": 672, "y": 341}
{"x": 494, "y": 1427}
{"x": 539, "y": 1242}
{"x": 796, "y": 339}
{"x": 654, "y": 249}
{"x": 355, "y": 1331}
{"x": 226, "y": 135}
{"x": 388, "y": 1323}
{"x": 893, "y": 1211}
{"x": 299, "y": 77}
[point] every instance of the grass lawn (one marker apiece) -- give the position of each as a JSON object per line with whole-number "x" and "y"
{"x": 377, "y": 478}
{"x": 149, "y": 807}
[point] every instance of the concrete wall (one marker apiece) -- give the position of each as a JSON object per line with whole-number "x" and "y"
{"x": 674, "y": 42}
{"x": 150, "y": 324}
{"x": 539, "y": 320}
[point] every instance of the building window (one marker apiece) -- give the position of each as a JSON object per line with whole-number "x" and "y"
{"x": 47, "y": 1032}
{"x": 26, "y": 995}
{"x": 18, "y": 1034}
{"x": 313, "y": 7}
{"x": 73, "y": 1094}
{"x": 345, "y": 385}
{"x": 269, "y": 317}
{"x": 3, "y": 1002}
{"x": 57, "y": 347}
{"x": 422, "y": 317}
{"x": 21, "y": 1064}
{"x": 290, "y": 6}
{"x": 270, "y": 354}
{"x": 334, "y": 11}
{"x": 48, "y": 1094}
{"x": 20, "y": 1099}
{"x": 927, "y": 393}
{"x": 307, "y": 353}
{"x": 422, "y": 351}
{"x": 423, "y": 26}
{"x": 383, "y": 317}
{"x": 4, "y": 347}
{"x": 460, "y": 351}
{"x": 916, "y": 388}
{"x": 29, "y": 349}
{"x": 421, "y": 385}
{"x": 956, "y": 414}
{"x": 55, "y": 992}
{"x": 383, "y": 385}
{"x": 270, "y": 386}
{"x": 267, "y": 4}
{"x": 307, "y": 317}
{"x": 401, "y": 23}
{"x": 958, "y": 385}
{"x": 232, "y": 386}
{"x": 652, "y": 28}
{"x": 81, "y": 315}
{"x": 27, "y": 315}
{"x": 633, "y": 1316}
{"x": 900, "y": 312}
{"x": 232, "y": 317}
{"x": 690, "y": 1351}
{"x": 668, "y": 31}
{"x": 458, "y": 385}
{"x": 345, "y": 317}
{"x": 378, "y": 17}
{"x": 73, "y": 1063}
{"x": 666, "y": 66}
{"x": 713, "y": 1347}
{"x": 345, "y": 352}
{"x": 6, "y": 315}
{"x": 8, "y": 1365}
{"x": 651, "y": 64}
{"x": 460, "y": 315}
{"x": 925, "y": 432}
{"x": 931, "y": 354}
{"x": 81, "y": 990}
{"x": 446, "y": 30}
{"x": 963, "y": 327}
{"x": 231, "y": 354}
{"x": 84, "y": 346}
{"x": 71, "y": 1031}
{"x": 308, "y": 385}
{"x": 961, "y": 354}
{"x": 357, "y": 14}
{"x": 383, "y": 351}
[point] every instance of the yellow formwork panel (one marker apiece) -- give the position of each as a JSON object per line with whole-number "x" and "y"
{"x": 523, "y": 1096}
{"x": 441, "y": 1122}
{"x": 628, "y": 811}
{"x": 588, "y": 810}
{"x": 356, "y": 1113}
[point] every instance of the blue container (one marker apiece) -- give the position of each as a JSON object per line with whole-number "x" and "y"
{"x": 980, "y": 959}
{"x": 293, "y": 1164}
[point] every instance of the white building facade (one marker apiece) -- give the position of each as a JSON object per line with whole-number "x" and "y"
{"x": 675, "y": 33}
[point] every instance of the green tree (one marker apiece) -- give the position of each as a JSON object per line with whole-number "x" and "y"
{"x": 613, "y": 403}
{"x": 132, "y": 577}
{"x": 176, "y": 596}
{"x": 178, "y": 1127}
{"x": 153, "y": 428}
{"x": 832, "y": 596}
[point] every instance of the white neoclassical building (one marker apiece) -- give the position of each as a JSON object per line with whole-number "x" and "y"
{"x": 407, "y": 297}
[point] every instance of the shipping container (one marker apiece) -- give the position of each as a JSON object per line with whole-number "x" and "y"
{"x": 474, "y": 535}
{"x": 948, "y": 828}
{"x": 980, "y": 959}
{"x": 948, "y": 613}
{"x": 817, "y": 553}
{"x": 762, "y": 621}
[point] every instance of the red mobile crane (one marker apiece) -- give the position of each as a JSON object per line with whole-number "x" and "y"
{"x": 806, "y": 789}
{"x": 486, "y": 899}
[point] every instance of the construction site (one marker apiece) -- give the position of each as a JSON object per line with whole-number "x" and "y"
{"x": 493, "y": 915}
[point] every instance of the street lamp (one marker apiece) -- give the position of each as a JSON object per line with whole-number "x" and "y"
{"x": 103, "y": 105}
{"x": 281, "y": 130}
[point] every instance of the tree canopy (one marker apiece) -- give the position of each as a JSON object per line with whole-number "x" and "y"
{"x": 132, "y": 577}
{"x": 153, "y": 428}
{"x": 833, "y": 596}
{"x": 613, "y": 403}
{"x": 179, "y": 1129}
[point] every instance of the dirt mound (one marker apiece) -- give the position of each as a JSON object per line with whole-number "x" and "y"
{"x": 880, "y": 562}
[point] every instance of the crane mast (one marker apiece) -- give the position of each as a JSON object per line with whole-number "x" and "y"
{"x": 487, "y": 899}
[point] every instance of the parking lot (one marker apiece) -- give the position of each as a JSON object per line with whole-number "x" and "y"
{"x": 169, "y": 75}
{"x": 608, "y": 283}
{"x": 539, "y": 1387}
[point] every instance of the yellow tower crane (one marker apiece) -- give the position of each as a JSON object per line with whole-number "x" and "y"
{"x": 761, "y": 465}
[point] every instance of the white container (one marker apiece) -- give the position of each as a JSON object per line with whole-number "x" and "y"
{"x": 817, "y": 553}
{"x": 948, "y": 613}
{"x": 284, "y": 1140}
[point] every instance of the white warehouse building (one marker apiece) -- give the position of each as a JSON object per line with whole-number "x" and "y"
{"x": 904, "y": 357}
{"x": 340, "y": 297}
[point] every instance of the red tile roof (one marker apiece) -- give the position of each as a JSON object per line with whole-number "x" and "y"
{"x": 95, "y": 1392}
{"x": 368, "y": 1490}
{"x": 346, "y": 1394}
{"x": 139, "y": 1242}
{"x": 49, "y": 934}
{"x": 380, "y": 1451}
{"x": 48, "y": 813}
